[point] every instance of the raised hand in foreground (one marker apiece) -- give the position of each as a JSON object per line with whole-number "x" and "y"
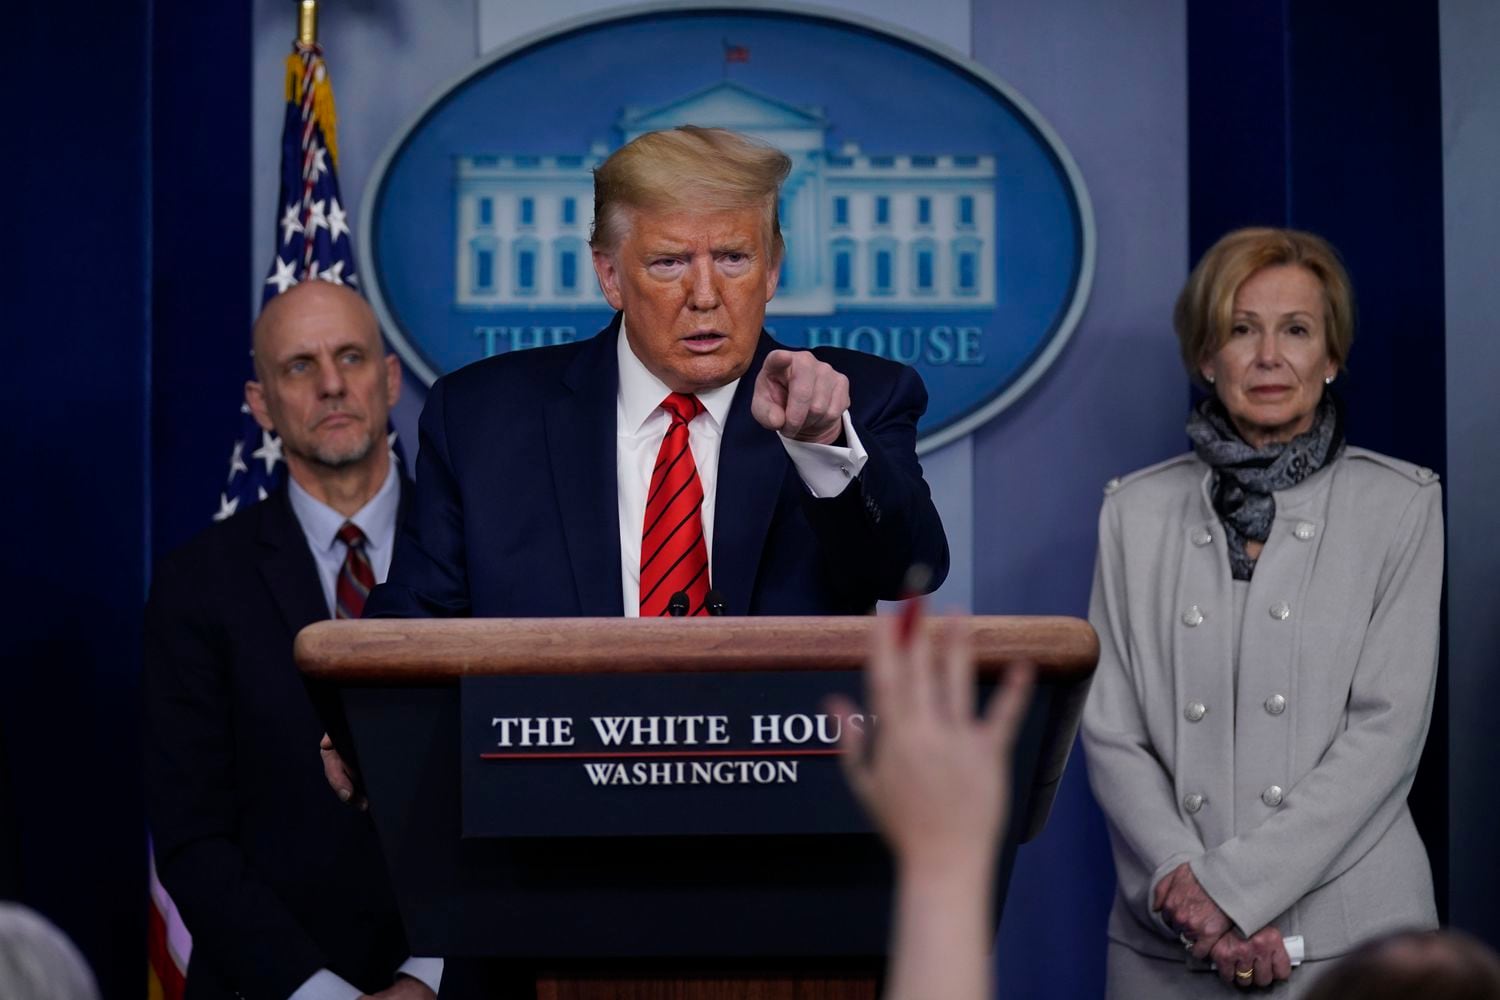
{"x": 936, "y": 780}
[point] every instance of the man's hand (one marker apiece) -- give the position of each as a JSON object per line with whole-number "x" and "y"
{"x": 800, "y": 397}
{"x": 340, "y": 778}
{"x": 405, "y": 988}
{"x": 1263, "y": 955}
{"x": 935, "y": 779}
{"x": 1187, "y": 909}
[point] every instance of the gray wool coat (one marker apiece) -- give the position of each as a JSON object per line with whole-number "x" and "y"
{"x": 1277, "y": 770}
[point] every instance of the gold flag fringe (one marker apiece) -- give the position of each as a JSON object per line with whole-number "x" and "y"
{"x": 323, "y": 112}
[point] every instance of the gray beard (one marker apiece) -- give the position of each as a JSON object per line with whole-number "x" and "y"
{"x": 330, "y": 459}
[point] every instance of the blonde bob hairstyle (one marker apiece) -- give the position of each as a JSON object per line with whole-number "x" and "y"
{"x": 688, "y": 169}
{"x": 1205, "y": 309}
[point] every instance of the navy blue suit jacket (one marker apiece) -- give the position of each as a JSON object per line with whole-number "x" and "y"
{"x": 515, "y": 512}
{"x": 273, "y": 876}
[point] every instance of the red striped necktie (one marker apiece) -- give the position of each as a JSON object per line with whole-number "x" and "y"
{"x": 356, "y": 578}
{"x": 674, "y": 554}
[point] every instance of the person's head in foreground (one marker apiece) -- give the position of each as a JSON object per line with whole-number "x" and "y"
{"x": 688, "y": 247}
{"x": 1431, "y": 965}
{"x": 38, "y": 962}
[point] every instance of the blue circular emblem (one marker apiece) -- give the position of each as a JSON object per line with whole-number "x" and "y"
{"x": 931, "y": 215}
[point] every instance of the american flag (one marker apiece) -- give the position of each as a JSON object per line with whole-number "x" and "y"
{"x": 735, "y": 53}
{"x": 312, "y": 244}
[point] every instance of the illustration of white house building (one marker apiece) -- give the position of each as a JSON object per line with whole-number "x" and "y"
{"x": 862, "y": 231}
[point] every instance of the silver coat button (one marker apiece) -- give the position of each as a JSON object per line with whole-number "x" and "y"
{"x": 1192, "y": 802}
{"x": 1195, "y": 711}
{"x": 1271, "y": 796}
{"x": 1305, "y": 530}
{"x": 1192, "y": 617}
{"x": 1112, "y": 485}
{"x": 1276, "y": 704}
{"x": 1424, "y": 473}
{"x": 1202, "y": 537}
{"x": 1281, "y": 611}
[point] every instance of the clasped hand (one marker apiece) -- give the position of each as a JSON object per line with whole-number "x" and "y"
{"x": 800, "y": 397}
{"x": 1207, "y": 930}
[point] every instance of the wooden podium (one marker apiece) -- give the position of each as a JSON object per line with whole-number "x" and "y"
{"x": 679, "y": 915}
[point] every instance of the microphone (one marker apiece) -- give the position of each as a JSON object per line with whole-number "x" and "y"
{"x": 677, "y": 605}
{"x": 714, "y": 602}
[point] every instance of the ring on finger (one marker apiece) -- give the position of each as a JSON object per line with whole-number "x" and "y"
{"x": 1243, "y": 977}
{"x": 1187, "y": 942}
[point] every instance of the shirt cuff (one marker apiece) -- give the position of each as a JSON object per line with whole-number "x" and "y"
{"x": 428, "y": 971}
{"x": 325, "y": 985}
{"x": 826, "y": 469}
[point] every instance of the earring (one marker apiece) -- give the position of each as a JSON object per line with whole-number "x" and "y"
{"x": 1209, "y": 379}
{"x": 1328, "y": 380}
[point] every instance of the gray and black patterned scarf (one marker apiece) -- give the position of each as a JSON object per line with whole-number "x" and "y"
{"x": 1245, "y": 478}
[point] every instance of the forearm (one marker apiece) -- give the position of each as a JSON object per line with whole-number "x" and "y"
{"x": 1126, "y": 771}
{"x": 1149, "y": 836}
{"x": 1320, "y": 831}
{"x": 881, "y": 525}
{"x": 942, "y": 931}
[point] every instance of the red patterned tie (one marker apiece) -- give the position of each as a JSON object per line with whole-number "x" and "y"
{"x": 356, "y": 578}
{"x": 674, "y": 555}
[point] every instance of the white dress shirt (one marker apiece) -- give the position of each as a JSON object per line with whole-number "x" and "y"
{"x": 320, "y": 526}
{"x": 640, "y": 425}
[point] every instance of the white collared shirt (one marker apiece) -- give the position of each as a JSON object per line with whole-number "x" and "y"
{"x": 640, "y": 425}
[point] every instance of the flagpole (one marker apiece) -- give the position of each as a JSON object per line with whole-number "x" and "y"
{"x": 307, "y": 22}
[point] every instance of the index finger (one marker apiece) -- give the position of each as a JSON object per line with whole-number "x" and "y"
{"x": 777, "y": 362}
{"x": 900, "y": 677}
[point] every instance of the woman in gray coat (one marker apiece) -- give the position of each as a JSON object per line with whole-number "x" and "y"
{"x": 1267, "y": 610}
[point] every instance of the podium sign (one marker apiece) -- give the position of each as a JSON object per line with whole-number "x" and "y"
{"x": 683, "y": 754}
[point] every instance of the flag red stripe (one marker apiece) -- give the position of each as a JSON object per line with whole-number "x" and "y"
{"x": 173, "y": 983}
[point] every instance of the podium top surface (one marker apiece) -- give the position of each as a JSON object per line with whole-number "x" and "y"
{"x": 426, "y": 651}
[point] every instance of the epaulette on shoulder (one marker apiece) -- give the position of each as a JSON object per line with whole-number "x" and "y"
{"x": 1419, "y": 474}
{"x": 1120, "y": 482}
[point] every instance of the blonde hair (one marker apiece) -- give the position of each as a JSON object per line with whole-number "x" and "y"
{"x": 1205, "y": 309}
{"x": 688, "y": 168}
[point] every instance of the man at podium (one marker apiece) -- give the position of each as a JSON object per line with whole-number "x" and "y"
{"x": 681, "y": 461}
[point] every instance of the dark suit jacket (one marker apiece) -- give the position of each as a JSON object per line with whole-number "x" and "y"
{"x": 516, "y": 513}
{"x": 273, "y": 876}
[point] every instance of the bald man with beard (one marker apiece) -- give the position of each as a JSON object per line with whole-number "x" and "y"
{"x": 284, "y": 890}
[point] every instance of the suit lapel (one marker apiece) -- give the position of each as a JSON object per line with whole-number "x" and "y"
{"x": 581, "y": 449}
{"x": 287, "y": 567}
{"x": 752, "y": 469}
